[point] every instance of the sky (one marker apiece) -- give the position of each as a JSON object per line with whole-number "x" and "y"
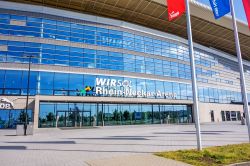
{"x": 238, "y": 6}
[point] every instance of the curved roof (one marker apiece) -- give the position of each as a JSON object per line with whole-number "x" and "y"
{"x": 206, "y": 30}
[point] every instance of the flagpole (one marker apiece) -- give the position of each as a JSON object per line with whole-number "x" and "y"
{"x": 194, "y": 84}
{"x": 242, "y": 77}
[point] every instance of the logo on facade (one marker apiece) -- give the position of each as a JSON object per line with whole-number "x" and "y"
{"x": 215, "y": 6}
{"x": 6, "y": 104}
{"x": 174, "y": 14}
{"x": 87, "y": 91}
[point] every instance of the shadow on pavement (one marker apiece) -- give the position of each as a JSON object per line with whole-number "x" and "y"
{"x": 44, "y": 142}
{"x": 113, "y": 138}
{"x": 211, "y": 131}
{"x": 13, "y": 148}
{"x": 132, "y": 136}
{"x": 188, "y": 133}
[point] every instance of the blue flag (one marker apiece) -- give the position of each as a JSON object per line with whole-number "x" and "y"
{"x": 220, "y": 7}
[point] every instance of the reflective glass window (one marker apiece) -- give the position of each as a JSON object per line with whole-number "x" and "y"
{"x": 46, "y": 82}
{"x": 76, "y": 84}
{"x": 141, "y": 86}
{"x": 61, "y": 83}
{"x": 13, "y": 79}
{"x": 176, "y": 89}
{"x": 2, "y": 78}
{"x": 32, "y": 84}
{"x": 47, "y": 115}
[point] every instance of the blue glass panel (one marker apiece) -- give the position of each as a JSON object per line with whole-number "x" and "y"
{"x": 77, "y": 35}
{"x": 4, "y": 26}
{"x": 75, "y": 49}
{"x": 19, "y": 33}
{"x": 33, "y": 19}
{"x": 50, "y": 31}
{"x": 168, "y": 86}
{"x": 76, "y": 82}
{"x": 63, "y": 29}
{"x": 47, "y": 61}
{"x": 2, "y": 78}
{"x": 32, "y": 79}
{"x": 151, "y": 88}
{"x": 12, "y": 91}
{"x": 30, "y": 49}
{"x": 4, "y": 21}
{"x": 14, "y": 48}
{"x": 49, "y": 21}
{"x": 77, "y": 26}
{"x": 48, "y": 46}
{"x": 46, "y": 80}
{"x": 63, "y": 58}
{"x": 61, "y": 81}
{"x": 33, "y": 24}
{"x": 62, "y": 37}
{"x": 64, "y": 63}
{"x": 4, "y": 16}
{"x": 2, "y": 31}
{"x": 76, "y": 64}
{"x": 16, "y": 17}
{"x": 79, "y": 40}
{"x": 65, "y": 24}
{"x": 2, "y": 56}
{"x": 141, "y": 86}
{"x": 49, "y": 27}
{"x": 13, "y": 79}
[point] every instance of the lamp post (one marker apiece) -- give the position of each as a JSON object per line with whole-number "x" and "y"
{"x": 27, "y": 96}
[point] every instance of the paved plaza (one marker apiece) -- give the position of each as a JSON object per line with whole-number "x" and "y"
{"x": 80, "y": 147}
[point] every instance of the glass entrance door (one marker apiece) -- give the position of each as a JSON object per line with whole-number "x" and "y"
{"x": 86, "y": 118}
{"x": 61, "y": 118}
{"x": 73, "y": 118}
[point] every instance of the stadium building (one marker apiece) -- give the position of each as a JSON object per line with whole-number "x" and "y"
{"x": 115, "y": 62}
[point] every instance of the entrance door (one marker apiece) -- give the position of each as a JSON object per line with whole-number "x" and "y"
{"x": 73, "y": 118}
{"x": 61, "y": 118}
{"x": 233, "y": 116}
{"x": 86, "y": 118}
{"x": 212, "y": 116}
{"x": 82, "y": 118}
{"x": 228, "y": 116}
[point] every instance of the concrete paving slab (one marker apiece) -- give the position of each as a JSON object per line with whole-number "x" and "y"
{"x": 52, "y": 147}
{"x": 136, "y": 160}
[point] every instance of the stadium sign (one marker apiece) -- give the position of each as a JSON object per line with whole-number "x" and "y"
{"x": 6, "y": 104}
{"x": 115, "y": 87}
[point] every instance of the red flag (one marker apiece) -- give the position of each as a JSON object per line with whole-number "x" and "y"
{"x": 246, "y": 4}
{"x": 175, "y": 8}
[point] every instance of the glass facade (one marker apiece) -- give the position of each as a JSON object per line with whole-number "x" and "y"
{"x": 13, "y": 117}
{"x": 92, "y": 114}
{"x": 143, "y": 65}
{"x": 98, "y": 35}
{"x": 65, "y": 84}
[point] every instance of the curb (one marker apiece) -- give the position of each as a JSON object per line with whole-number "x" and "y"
{"x": 240, "y": 164}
